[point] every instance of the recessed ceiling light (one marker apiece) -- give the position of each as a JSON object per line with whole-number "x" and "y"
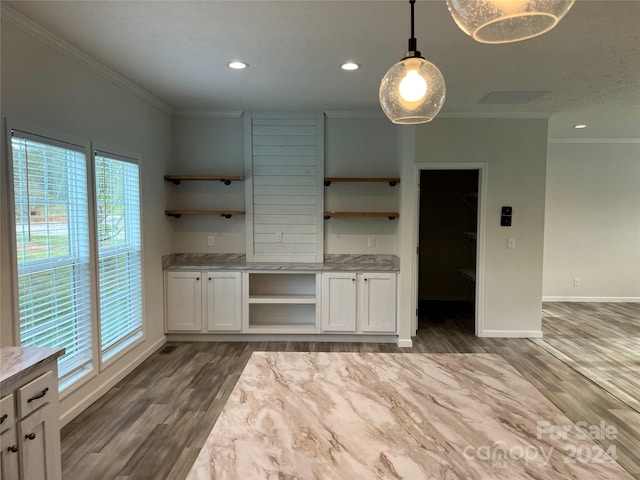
{"x": 579, "y": 126}
{"x": 237, "y": 65}
{"x": 350, "y": 66}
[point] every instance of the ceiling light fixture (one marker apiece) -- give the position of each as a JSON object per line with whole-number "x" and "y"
{"x": 237, "y": 65}
{"x": 350, "y": 66}
{"x": 579, "y": 126}
{"x": 506, "y": 21}
{"x": 413, "y": 90}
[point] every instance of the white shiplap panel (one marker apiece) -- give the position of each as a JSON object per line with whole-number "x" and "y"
{"x": 284, "y": 170}
{"x": 285, "y": 248}
{"x": 284, "y": 140}
{"x": 284, "y": 209}
{"x": 285, "y": 200}
{"x": 284, "y": 219}
{"x": 298, "y": 160}
{"x": 283, "y": 180}
{"x": 284, "y": 229}
{"x": 284, "y": 150}
{"x": 287, "y": 187}
{"x": 271, "y": 190}
{"x": 284, "y": 130}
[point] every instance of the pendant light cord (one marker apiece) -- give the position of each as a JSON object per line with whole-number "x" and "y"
{"x": 413, "y": 43}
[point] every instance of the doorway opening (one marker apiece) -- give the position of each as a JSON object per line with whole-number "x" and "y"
{"x": 448, "y": 249}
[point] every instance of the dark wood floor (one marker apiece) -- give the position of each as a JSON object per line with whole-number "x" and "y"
{"x": 152, "y": 424}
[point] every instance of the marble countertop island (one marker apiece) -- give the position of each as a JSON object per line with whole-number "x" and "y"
{"x": 18, "y": 362}
{"x": 342, "y": 263}
{"x": 393, "y": 416}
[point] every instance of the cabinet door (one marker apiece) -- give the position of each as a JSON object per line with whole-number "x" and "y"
{"x": 8, "y": 440}
{"x": 224, "y": 301}
{"x": 339, "y": 302}
{"x": 184, "y": 301}
{"x": 378, "y": 302}
{"x": 39, "y": 443}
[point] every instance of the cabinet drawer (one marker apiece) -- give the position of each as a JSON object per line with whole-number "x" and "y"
{"x": 36, "y": 393}
{"x": 7, "y": 413}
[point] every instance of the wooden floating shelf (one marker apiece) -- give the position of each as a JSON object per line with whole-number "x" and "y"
{"x": 392, "y": 181}
{"x": 222, "y": 213}
{"x": 389, "y": 215}
{"x": 226, "y": 179}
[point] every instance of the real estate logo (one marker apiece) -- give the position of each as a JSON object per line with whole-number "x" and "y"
{"x": 570, "y": 441}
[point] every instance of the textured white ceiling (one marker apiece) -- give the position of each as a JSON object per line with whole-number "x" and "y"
{"x": 178, "y": 51}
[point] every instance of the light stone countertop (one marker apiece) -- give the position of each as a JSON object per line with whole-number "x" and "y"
{"x": 337, "y": 263}
{"x": 18, "y": 362}
{"x": 389, "y": 416}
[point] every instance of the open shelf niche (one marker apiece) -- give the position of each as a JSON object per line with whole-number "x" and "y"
{"x": 284, "y": 302}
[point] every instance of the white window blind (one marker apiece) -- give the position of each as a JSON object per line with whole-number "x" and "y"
{"x": 52, "y": 248}
{"x": 119, "y": 251}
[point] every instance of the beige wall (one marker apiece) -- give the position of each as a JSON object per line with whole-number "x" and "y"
{"x": 46, "y": 89}
{"x": 207, "y": 146}
{"x": 515, "y": 154}
{"x": 592, "y": 225}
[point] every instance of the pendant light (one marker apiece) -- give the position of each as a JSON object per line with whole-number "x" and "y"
{"x": 506, "y": 21}
{"x": 413, "y": 90}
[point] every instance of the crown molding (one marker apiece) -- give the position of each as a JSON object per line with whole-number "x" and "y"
{"x": 38, "y": 32}
{"x": 496, "y": 115}
{"x": 186, "y": 112}
{"x": 593, "y": 140}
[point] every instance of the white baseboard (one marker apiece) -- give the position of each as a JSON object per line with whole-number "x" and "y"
{"x": 593, "y": 299}
{"x": 511, "y": 333}
{"x": 281, "y": 337}
{"x": 107, "y": 383}
{"x": 405, "y": 343}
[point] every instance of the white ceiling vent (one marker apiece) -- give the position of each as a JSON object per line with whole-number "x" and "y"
{"x": 512, "y": 97}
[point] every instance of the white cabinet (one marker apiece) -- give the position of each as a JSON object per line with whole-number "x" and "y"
{"x": 362, "y": 302}
{"x": 29, "y": 426}
{"x": 8, "y": 439}
{"x": 339, "y": 302}
{"x": 212, "y": 296}
{"x": 224, "y": 301}
{"x": 184, "y": 301}
{"x": 378, "y": 302}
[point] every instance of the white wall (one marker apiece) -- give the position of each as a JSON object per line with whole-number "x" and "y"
{"x": 515, "y": 153}
{"x": 47, "y": 89}
{"x": 207, "y": 146}
{"x": 592, "y": 225}
{"x": 361, "y": 147}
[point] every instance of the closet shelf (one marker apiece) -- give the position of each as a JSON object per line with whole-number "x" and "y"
{"x": 226, "y": 179}
{"x": 389, "y": 215}
{"x": 222, "y": 213}
{"x": 392, "y": 181}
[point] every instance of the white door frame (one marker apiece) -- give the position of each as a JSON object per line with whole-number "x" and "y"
{"x": 483, "y": 171}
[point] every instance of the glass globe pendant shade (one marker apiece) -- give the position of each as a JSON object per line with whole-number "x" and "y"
{"x": 506, "y": 21}
{"x": 412, "y": 91}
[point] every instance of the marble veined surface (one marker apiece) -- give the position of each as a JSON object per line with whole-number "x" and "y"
{"x": 394, "y": 416}
{"x": 233, "y": 261}
{"x": 17, "y": 362}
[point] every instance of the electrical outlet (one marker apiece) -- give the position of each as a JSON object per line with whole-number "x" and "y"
{"x": 371, "y": 242}
{"x": 576, "y": 282}
{"x": 278, "y": 236}
{"x": 210, "y": 241}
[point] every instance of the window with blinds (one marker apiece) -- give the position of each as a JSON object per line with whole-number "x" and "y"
{"x": 119, "y": 251}
{"x": 52, "y": 248}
